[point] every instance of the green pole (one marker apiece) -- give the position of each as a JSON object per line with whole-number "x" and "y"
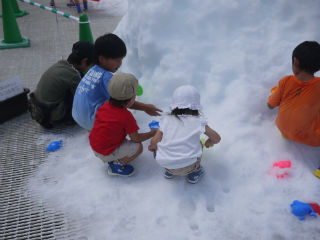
{"x": 85, "y": 33}
{"x": 11, "y": 32}
{"x": 16, "y": 10}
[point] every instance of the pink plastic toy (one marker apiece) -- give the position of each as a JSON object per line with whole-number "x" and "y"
{"x": 279, "y": 169}
{"x": 282, "y": 164}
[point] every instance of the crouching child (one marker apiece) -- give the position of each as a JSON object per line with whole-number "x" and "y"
{"x": 176, "y": 145}
{"x": 113, "y": 123}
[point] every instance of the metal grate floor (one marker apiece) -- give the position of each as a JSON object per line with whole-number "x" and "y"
{"x": 20, "y": 216}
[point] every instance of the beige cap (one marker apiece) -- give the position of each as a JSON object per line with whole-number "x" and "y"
{"x": 123, "y": 86}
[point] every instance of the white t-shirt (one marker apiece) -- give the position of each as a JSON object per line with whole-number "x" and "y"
{"x": 180, "y": 145}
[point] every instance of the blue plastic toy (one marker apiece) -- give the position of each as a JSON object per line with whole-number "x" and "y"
{"x": 154, "y": 125}
{"x": 54, "y": 146}
{"x": 301, "y": 209}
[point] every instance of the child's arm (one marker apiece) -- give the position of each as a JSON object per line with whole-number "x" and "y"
{"x": 274, "y": 99}
{"x": 214, "y": 137}
{"x": 154, "y": 141}
{"x": 141, "y": 137}
{"x": 148, "y": 108}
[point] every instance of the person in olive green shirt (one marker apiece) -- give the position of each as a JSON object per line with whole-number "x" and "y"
{"x": 51, "y": 102}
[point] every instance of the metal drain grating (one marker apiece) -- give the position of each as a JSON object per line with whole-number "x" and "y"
{"x": 20, "y": 216}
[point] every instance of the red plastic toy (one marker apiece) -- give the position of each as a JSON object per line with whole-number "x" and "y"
{"x": 315, "y": 207}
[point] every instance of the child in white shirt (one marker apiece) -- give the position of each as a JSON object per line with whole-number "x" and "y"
{"x": 177, "y": 142}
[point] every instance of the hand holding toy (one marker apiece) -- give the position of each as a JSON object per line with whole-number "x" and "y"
{"x": 154, "y": 125}
{"x": 206, "y": 143}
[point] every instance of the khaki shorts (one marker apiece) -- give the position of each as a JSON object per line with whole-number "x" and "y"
{"x": 126, "y": 149}
{"x": 185, "y": 170}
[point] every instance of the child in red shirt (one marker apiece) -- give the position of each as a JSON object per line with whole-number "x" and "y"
{"x": 114, "y": 122}
{"x": 298, "y": 97}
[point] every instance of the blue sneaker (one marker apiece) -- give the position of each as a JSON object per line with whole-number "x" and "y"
{"x": 117, "y": 169}
{"x": 195, "y": 176}
{"x": 168, "y": 175}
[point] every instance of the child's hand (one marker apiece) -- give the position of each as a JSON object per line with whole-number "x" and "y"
{"x": 154, "y": 141}
{"x": 272, "y": 90}
{"x": 152, "y": 110}
{"x": 208, "y": 143}
{"x": 153, "y": 132}
{"x": 152, "y": 148}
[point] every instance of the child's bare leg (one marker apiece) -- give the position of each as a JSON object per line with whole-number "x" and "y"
{"x": 126, "y": 160}
{"x": 198, "y": 162}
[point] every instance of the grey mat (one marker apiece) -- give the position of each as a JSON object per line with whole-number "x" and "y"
{"x": 21, "y": 216}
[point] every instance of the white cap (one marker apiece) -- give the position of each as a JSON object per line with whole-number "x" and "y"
{"x": 186, "y": 96}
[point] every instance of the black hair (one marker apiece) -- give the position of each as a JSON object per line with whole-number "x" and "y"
{"x": 184, "y": 111}
{"x": 119, "y": 103}
{"x": 109, "y": 46}
{"x": 81, "y": 50}
{"x": 78, "y": 59}
{"x": 308, "y": 55}
{"x": 90, "y": 59}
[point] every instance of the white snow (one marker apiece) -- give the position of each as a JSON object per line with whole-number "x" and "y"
{"x": 233, "y": 52}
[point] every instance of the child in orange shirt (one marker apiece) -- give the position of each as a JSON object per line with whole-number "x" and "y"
{"x": 298, "y": 97}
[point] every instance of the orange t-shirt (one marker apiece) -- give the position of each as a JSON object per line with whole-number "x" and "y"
{"x": 299, "y": 109}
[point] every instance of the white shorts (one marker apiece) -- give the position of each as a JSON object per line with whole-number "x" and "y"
{"x": 126, "y": 149}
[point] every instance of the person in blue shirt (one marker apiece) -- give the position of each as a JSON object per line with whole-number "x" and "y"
{"x": 92, "y": 91}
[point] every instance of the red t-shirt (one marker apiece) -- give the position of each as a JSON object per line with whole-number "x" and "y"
{"x": 110, "y": 128}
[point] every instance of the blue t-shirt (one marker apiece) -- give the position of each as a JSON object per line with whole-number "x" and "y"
{"x": 91, "y": 93}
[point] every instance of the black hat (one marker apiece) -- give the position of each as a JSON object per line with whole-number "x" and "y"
{"x": 81, "y": 50}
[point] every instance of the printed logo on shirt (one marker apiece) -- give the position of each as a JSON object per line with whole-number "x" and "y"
{"x": 90, "y": 81}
